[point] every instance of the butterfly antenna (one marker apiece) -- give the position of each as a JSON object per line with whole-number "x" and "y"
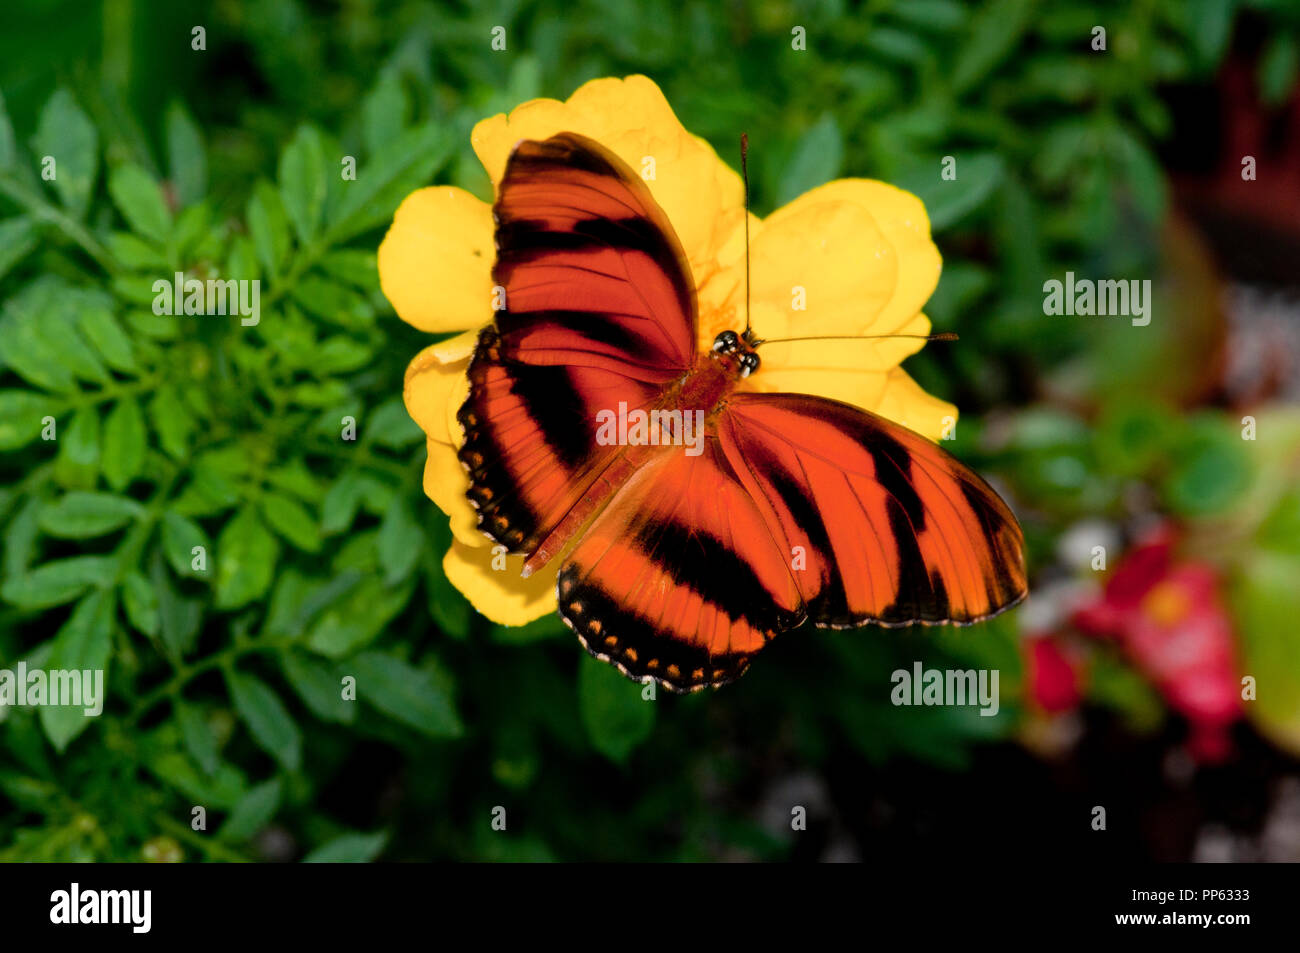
{"x": 744, "y": 174}
{"x": 941, "y": 336}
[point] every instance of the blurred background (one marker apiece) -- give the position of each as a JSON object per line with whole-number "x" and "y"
{"x": 1155, "y": 670}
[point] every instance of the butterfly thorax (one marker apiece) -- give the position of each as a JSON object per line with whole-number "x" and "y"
{"x": 717, "y": 372}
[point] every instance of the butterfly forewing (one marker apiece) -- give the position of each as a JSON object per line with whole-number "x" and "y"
{"x": 882, "y": 525}
{"x": 599, "y": 310}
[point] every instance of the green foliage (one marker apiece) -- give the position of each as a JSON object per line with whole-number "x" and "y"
{"x": 174, "y": 512}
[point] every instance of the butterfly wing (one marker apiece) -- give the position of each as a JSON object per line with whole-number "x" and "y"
{"x": 680, "y": 578}
{"x": 892, "y": 529}
{"x": 599, "y": 309}
{"x": 799, "y": 507}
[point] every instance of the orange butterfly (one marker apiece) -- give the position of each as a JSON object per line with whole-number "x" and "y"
{"x": 682, "y": 563}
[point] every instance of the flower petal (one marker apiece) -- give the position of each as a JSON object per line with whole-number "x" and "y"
{"x": 905, "y": 402}
{"x": 436, "y": 387}
{"x": 861, "y": 252}
{"x": 435, "y": 263}
{"x": 501, "y": 595}
{"x": 901, "y": 217}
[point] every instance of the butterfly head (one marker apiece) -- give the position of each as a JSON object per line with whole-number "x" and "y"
{"x": 740, "y": 348}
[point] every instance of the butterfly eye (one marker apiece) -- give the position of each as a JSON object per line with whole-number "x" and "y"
{"x": 726, "y": 342}
{"x": 748, "y": 363}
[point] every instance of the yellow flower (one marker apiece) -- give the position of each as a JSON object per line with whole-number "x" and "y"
{"x": 853, "y": 257}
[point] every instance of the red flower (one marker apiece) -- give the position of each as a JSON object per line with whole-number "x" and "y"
{"x": 1054, "y": 682}
{"x": 1169, "y": 618}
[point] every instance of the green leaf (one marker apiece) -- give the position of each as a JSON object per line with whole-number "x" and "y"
{"x": 254, "y": 811}
{"x": 195, "y": 235}
{"x": 200, "y": 742}
{"x": 207, "y": 494}
{"x": 59, "y": 327}
{"x": 186, "y": 158}
{"x": 447, "y": 606}
{"x": 994, "y": 32}
{"x": 268, "y": 224}
{"x": 124, "y": 443}
{"x": 27, "y": 350}
{"x": 77, "y": 464}
{"x": 1278, "y": 68}
{"x": 1211, "y": 22}
{"x": 616, "y": 715}
{"x": 246, "y": 557}
{"x": 102, "y": 330}
{"x": 407, "y": 694}
{"x": 291, "y": 520}
{"x": 172, "y": 421}
{"x": 140, "y": 201}
{"x": 1266, "y": 603}
{"x": 20, "y": 538}
{"x": 320, "y": 685}
{"x": 141, "y": 603}
{"x": 295, "y": 478}
{"x": 136, "y": 254}
{"x": 940, "y": 16}
{"x": 383, "y": 112}
{"x": 341, "y": 503}
{"x": 297, "y": 600}
{"x": 349, "y": 849}
{"x": 83, "y": 515}
{"x": 177, "y": 771}
{"x": 1210, "y": 471}
{"x": 386, "y": 179}
{"x": 178, "y": 617}
{"x": 947, "y": 201}
{"x": 333, "y": 302}
{"x": 302, "y": 182}
{"x": 66, "y": 134}
{"x": 389, "y": 425}
{"x": 399, "y": 542}
{"x": 22, "y": 413}
{"x": 241, "y": 262}
{"x": 57, "y": 582}
{"x": 40, "y": 331}
{"x": 268, "y": 721}
{"x": 817, "y": 160}
{"x": 339, "y": 355}
{"x": 8, "y": 145}
{"x": 354, "y": 621}
{"x": 18, "y": 239}
{"x": 180, "y": 537}
{"x": 1143, "y": 173}
{"x": 356, "y": 267}
{"x": 899, "y": 46}
{"x": 81, "y": 645}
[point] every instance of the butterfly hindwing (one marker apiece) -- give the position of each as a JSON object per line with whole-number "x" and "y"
{"x": 599, "y": 310}
{"x": 679, "y": 579}
{"x": 891, "y": 529}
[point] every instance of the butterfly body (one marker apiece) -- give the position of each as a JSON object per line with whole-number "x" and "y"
{"x": 679, "y": 560}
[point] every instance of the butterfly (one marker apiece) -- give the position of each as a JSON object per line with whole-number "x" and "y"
{"x": 675, "y": 566}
